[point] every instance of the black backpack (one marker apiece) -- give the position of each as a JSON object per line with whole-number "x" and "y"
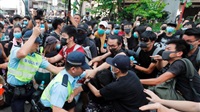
{"x": 190, "y": 72}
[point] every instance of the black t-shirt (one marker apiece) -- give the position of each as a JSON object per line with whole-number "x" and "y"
{"x": 126, "y": 93}
{"x": 178, "y": 68}
{"x": 93, "y": 48}
{"x": 132, "y": 42}
{"x": 193, "y": 57}
{"x": 164, "y": 38}
{"x": 98, "y": 100}
{"x": 145, "y": 60}
{"x": 55, "y": 35}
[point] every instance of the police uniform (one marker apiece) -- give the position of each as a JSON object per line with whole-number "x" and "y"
{"x": 20, "y": 74}
{"x": 61, "y": 87}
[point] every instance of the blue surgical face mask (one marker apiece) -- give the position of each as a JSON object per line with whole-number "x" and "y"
{"x": 58, "y": 46}
{"x": 170, "y": 29}
{"x": 25, "y": 22}
{"x": 107, "y": 31}
{"x": 50, "y": 25}
{"x": 42, "y": 26}
{"x": 135, "y": 35}
{"x": 3, "y": 37}
{"x": 184, "y": 29}
{"x": 100, "y": 31}
{"x": 191, "y": 46}
{"x": 116, "y": 32}
{"x": 17, "y": 35}
{"x": 2, "y": 22}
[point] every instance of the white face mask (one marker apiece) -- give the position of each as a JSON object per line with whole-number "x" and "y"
{"x": 112, "y": 70}
{"x": 137, "y": 24}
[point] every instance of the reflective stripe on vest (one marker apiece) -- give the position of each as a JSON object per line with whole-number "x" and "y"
{"x": 59, "y": 77}
{"x": 27, "y": 68}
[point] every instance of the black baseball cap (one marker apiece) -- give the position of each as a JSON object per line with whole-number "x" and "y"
{"x": 16, "y": 16}
{"x": 120, "y": 61}
{"x": 83, "y": 27}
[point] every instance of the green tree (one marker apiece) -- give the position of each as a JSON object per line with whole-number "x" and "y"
{"x": 108, "y": 8}
{"x": 149, "y": 9}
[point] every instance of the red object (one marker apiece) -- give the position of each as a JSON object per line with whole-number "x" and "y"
{"x": 1, "y": 89}
{"x": 181, "y": 15}
{"x": 121, "y": 33}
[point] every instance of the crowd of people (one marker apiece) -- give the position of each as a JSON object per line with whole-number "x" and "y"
{"x": 102, "y": 66}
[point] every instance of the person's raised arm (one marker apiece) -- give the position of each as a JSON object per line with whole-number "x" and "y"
{"x": 72, "y": 19}
{"x": 26, "y": 48}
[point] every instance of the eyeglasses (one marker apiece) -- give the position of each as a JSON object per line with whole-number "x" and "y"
{"x": 191, "y": 41}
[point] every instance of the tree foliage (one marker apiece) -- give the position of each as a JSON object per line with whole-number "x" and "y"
{"x": 149, "y": 9}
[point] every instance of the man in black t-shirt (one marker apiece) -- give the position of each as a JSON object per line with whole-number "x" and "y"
{"x": 126, "y": 93}
{"x": 146, "y": 67}
{"x": 192, "y": 37}
{"x": 175, "y": 50}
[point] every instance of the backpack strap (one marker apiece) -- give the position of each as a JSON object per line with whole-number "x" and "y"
{"x": 87, "y": 52}
{"x": 155, "y": 52}
{"x": 138, "y": 52}
{"x": 76, "y": 47}
{"x": 64, "y": 51}
{"x": 190, "y": 72}
{"x": 198, "y": 57}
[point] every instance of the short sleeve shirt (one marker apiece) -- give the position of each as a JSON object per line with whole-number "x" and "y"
{"x": 59, "y": 93}
{"x": 14, "y": 62}
{"x": 69, "y": 50}
{"x": 178, "y": 68}
{"x": 126, "y": 93}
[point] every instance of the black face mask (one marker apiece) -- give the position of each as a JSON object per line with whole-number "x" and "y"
{"x": 165, "y": 55}
{"x": 113, "y": 51}
{"x": 142, "y": 45}
{"x": 127, "y": 31}
{"x": 80, "y": 38}
{"x": 63, "y": 41}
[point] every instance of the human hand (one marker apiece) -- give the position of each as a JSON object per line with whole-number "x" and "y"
{"x": 153, "y": 97}
{"x": 157, "y": 57}
{"x": 132, "y": 64}
{"x": 6, "y": 45}
{"x": 70, "y": 99}
{"x": 153, "y": 106}
{"x": 36, "y": 31}
{"x": 90, "y": 73}
{"x": 4, "y": 65}
{"x": 90, "y": 63}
